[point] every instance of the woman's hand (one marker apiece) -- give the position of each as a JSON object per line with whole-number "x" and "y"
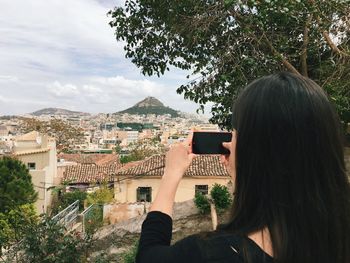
{"x": 229, "y": 160}
{"x": 178, "y": 159}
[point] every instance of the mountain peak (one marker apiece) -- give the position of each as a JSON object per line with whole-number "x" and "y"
{"x": 150, "y": 105}
{"x": 149, "y": 102}
{"x": 57, "y": 111}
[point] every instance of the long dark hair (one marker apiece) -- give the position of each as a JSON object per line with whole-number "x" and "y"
{"x": 290, "y": 170}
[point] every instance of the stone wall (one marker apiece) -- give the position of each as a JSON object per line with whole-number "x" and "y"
{"x": 121, "y": 212}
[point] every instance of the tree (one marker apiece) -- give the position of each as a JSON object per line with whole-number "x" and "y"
{"x": 221, "y": 197}
{"x": 226, "y": 44}
{"x": 17, "y": 196}
{"x": 63, "y": 199}
{"x": 65, "y": 134}
{"x": 218, "y": 201}
{"x": 46, "y": 241}
{"x": 142, "y": 149}
{"x": 16, "y": 187}
{"x": 14, "y": 224}
{"x": 202, "y": 203}
{"x": 101, "y": 196}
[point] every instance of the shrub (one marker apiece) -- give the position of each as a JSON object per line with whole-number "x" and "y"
{"x": 130, "y": 256}
{"x": 221, "y": 197}
{"x": 202, "y": 203}
{"x": 104, "y": 195}
{"x": 219, "y": 194}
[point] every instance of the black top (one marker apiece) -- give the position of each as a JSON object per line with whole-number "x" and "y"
{"x": 154, "y": 245}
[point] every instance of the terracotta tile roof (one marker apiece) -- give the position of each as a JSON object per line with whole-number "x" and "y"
{"x": 32, "y": 151}
{"x": 98, "y": 159}
{"x": 202, "y": 165}
{"x": 90, "y": 173}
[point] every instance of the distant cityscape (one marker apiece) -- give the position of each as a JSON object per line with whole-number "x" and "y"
{"x": 83, "y": 151}
{"x": 101, "y": 133}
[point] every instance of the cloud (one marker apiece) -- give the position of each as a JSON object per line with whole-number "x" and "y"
{"x": 62, "y": 53}
{"x": 128, "y": 87}
{"x": 114, "y": 92}
{"x": 56, "y": 35}
{"x": 4, "y": 78}
{"x": 59, "y": 90}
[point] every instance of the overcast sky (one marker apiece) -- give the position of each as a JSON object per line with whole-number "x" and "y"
{"x": 62, "y": 53}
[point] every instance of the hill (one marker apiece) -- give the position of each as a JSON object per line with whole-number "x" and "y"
{"x": 57, "y": 111}
{"x": 150, "y": 105}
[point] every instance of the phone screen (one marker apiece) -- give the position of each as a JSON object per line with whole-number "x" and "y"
{"x": 210, "y": 142}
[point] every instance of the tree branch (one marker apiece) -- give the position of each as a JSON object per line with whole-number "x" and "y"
{"x": 303, "y": 56}
{"x": 333, "y": 46}
{"x": 274, "y": 51}
{"x": 284, "y": 61}
{"x": 328, "y": 39}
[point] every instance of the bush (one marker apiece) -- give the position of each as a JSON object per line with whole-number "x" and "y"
{"x": 16, "y": 187}
{"x": 102, "y": 196}
{"x": 130, "y": 256}
{"x": 93, "y": 220}
{"x": 66, "y": 198}
{"x": 49, "y": 242}
{"x": 221, "y": 197}
{"x": 202, "y": 203}
{"x": 219, "y": 194}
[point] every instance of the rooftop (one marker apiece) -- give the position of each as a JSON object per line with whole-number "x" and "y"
{"x": 98, "y": 159}
{"x": 202, "y": 165}
{"x": 90, "y": 173}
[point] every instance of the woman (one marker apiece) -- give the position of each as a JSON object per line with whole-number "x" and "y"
{"x": 292, "y": 196}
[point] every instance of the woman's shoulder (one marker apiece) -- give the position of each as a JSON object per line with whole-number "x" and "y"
{"x": 222, "y": 246}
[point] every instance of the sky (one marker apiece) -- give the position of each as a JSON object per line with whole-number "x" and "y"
{"x": 63, "y": 53}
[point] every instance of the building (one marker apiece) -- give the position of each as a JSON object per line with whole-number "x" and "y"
{"x": 38, "y": 153}
{"x": 140, "y": 182}
{"x": 90, "y": 176}
{"x": 89, "y": 171}
{"x": 3, "y": 131}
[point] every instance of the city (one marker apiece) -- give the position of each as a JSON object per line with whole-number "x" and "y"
{"x": 102, "y": 107}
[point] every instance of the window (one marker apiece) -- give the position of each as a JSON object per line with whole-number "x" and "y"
{"x": 201, "y": 189}
{"x": 31, "y": 166}
{"x": 144, "y": 194}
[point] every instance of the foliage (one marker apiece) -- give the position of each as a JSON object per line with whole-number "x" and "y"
{"x": 14, "y": 224}
{"x": 157, "y": 110}
{"x": 143, "y": 149}
{"x": 202, "y": 203}
{"x": 6, "y": 233}
{"x": 65, "y": 134}
{"x": 101, "y": 196}
{"x": 49, "y": 242}
{"x": 16, "y": 187}
{"x": 63, "y": 199}
{"x": 228, "y": 43}
{"x": 221, "y": 196}
{"x": 117, "y": 149}
{"x": 130, "y": 256}
{"x": 93, "y": 219}
{"x": 102, "y": 258}
{"x": 128, "y": 158}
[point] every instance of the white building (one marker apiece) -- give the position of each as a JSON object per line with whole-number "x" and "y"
{"x": 38, "y": 153}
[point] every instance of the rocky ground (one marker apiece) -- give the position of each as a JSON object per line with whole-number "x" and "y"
{"x": 116, "y": 239}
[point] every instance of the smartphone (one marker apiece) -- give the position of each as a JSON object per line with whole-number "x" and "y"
{"x": 210, "y": 142}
